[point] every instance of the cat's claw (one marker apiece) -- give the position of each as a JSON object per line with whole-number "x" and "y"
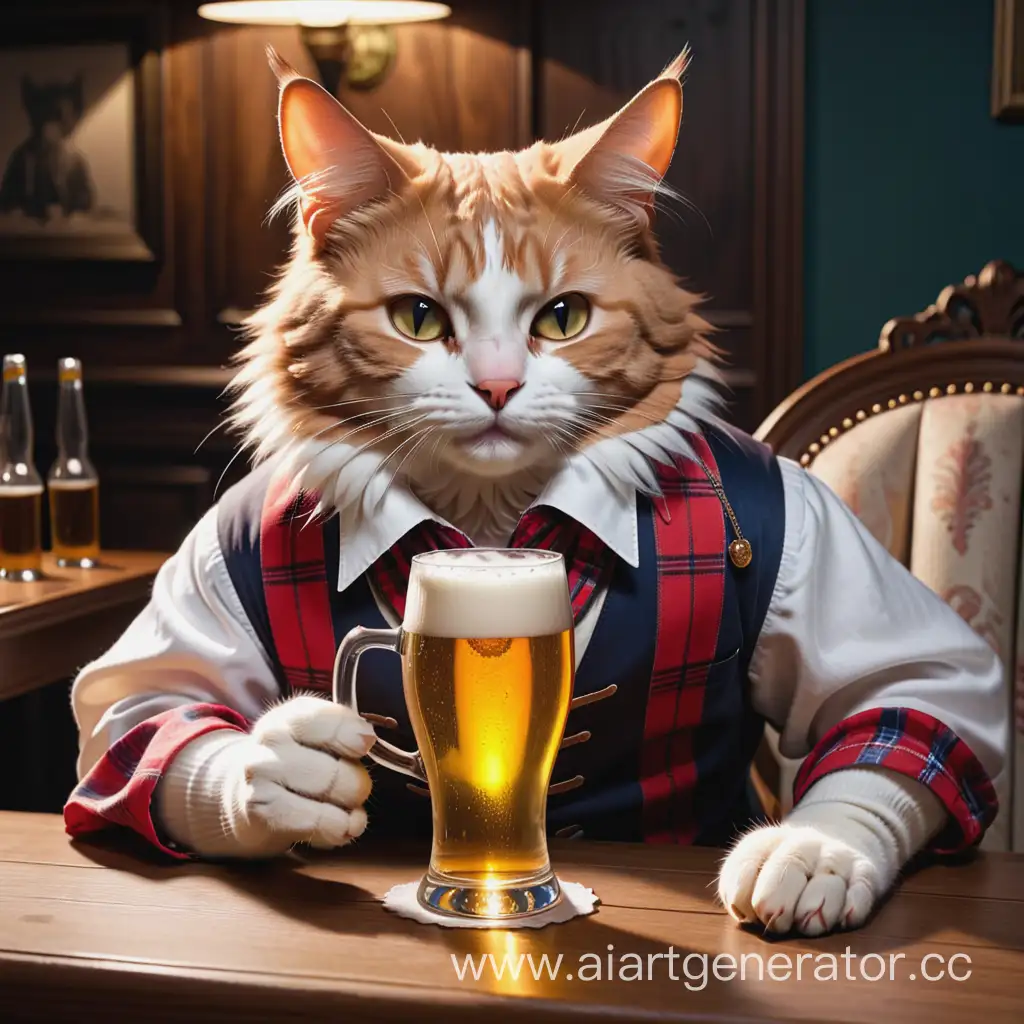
{"x": 798, "y": 878}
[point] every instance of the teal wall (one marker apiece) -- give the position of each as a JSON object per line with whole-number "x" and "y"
{"x": 910, "y": 183}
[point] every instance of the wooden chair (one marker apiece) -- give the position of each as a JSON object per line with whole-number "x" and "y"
{"x": 924, "y": 439}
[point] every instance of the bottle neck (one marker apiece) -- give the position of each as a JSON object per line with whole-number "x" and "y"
{"x": 72, "y": 433}
{"x": 16, "y": 437}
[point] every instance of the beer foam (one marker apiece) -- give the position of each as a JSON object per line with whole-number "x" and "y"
{"x": 71, "y": 485}
{"x": 477, "y": 593}
{"x": 19, "y": 490}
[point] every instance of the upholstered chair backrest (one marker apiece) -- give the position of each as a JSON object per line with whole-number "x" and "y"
{"x": 924, "y": 440}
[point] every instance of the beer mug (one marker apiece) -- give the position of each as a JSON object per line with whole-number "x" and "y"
{"x": 487, "y": 670}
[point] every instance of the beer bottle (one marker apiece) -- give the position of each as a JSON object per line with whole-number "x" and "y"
{"x": 21, "y": 489}
{"x": 73, "y": 484}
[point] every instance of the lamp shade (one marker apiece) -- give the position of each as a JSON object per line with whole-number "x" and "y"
{"x": 323, "y": 13}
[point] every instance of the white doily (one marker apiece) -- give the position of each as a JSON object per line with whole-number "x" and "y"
{"x": 576, "y": 901}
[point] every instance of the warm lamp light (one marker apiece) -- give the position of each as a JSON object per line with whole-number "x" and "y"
{"x": 348, "y": 39}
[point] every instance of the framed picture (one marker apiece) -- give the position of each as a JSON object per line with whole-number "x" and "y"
{"x": 1008, "y": 63}
{"x": 80, "y": 141}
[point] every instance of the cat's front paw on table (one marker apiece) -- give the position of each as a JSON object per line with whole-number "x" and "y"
{"x": 800, "y": 878}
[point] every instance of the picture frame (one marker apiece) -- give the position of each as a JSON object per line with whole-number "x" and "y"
{"x": 1008, "y": 61}
{"x": 81, "y": 161}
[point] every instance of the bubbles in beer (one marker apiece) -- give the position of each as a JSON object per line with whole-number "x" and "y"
{"x": 491, "y": 648}
{"x": 488, "y": 728}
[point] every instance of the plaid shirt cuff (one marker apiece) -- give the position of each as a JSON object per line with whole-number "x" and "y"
{"x": 920, "y": 747}
{"x": 118, "y": 791}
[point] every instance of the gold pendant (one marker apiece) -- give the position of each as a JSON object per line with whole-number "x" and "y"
{"x": 740, "y": 553}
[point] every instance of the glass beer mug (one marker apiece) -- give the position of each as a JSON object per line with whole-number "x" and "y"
{"x": 487, "y": 669}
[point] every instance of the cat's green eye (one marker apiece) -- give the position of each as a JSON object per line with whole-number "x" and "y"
{"x": 419, "y": 318}
{"x": 562, "y": 318}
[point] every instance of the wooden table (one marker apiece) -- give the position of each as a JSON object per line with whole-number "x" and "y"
{"x": 108, "y": 932}
{"x": 50, "y": 628}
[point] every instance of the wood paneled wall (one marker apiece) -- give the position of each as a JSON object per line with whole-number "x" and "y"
{"x": 157, "y": 338}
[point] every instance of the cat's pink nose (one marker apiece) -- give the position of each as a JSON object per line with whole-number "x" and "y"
{"x": 496, "y": 393}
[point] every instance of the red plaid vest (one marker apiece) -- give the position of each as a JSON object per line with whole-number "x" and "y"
{"x": 690, "y": 538}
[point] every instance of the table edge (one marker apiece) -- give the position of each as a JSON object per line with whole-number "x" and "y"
{"x": 31, "y": 970}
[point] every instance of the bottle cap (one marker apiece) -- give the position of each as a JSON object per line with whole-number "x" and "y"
{"x": 14, "y": 367}
{"x": 69, "y": 370}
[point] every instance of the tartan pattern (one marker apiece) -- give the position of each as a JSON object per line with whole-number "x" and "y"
{"x": 587, "y": 562}
{"x": 298, "y": 595}
{"x": 295, "y": 586}
{"x": 689, "y": 527}
{"x": 919, "y": 746}
{"x": 390, "y": 573}
{"x": 118, "y": 790}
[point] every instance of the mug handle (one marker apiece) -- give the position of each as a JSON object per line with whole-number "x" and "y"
{"x": 359, "y": 640}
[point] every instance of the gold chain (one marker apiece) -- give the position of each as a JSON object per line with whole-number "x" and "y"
{"x": 740, "y": 551}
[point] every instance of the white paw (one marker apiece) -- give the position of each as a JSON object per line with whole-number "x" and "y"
{"x": 799, "y": 877}
{"x": 314, "y": 722}
{"x": 299, "y": 779}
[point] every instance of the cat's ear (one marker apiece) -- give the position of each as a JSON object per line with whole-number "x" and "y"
{"x": 337, "y": 163}
{"x": 623, "y": 160}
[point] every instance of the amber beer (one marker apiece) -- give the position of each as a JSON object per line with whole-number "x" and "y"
{"x": 21, "y": 489}
{"x": 21, "y": 552}
{"x": 487, "y": 652}
{"x": 73, "y": 483}
{"x": 74, "y": 521}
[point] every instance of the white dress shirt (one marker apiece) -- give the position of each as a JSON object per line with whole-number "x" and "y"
{"x": 848, "y": 628}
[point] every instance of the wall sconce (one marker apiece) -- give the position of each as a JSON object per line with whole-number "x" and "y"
{"x": 350, "y": 40}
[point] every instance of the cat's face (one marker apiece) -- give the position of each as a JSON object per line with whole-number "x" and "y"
{"x": 53, "y": 109}
{"x": 487, "y": 312}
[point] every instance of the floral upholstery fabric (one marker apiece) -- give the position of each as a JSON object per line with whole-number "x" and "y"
{"x": 870, "y": 468}
{"x": 966, "y": 527}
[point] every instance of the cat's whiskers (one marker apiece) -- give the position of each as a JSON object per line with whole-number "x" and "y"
{"x": 376, "y": 440}
{"x": 394, "y": 414}
{"x": 220, "y": 426}
{"x": 564, "y": 440}
{"x": 389, "y": 433}
{"x": 401, "y": 444}
{"x": 596, "y": 423}
{"x": 223, "y": 473}
{"x": 350, "y": 401}
{"x": 440, "y": 442}
{"x": 424, "y": 436}
{"x": 628, "y": 409}
{"x": 612, "y": 406}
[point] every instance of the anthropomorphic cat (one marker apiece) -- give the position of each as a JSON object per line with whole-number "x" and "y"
{"x": 486, "y": 349}
{"x": 46, "y": 173}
